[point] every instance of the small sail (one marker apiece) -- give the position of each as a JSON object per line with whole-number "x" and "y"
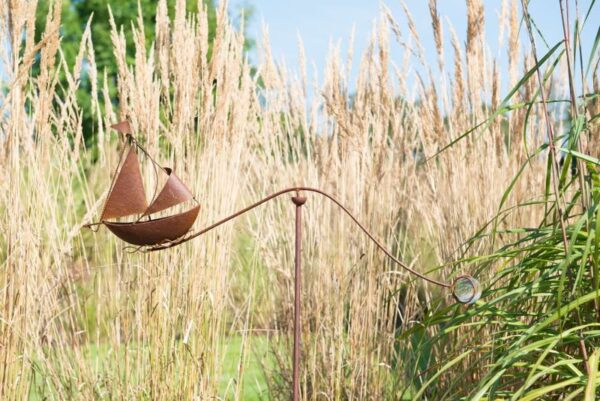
{"x": 127, "y": 195}
{"x": 123, "y": 127}
{"x": 173, "y": 193}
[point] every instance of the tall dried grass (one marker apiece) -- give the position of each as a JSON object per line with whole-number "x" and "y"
{"x": 83, "y": 319}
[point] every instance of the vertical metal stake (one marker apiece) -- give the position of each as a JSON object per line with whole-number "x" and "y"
{"x": 298, "y": 201}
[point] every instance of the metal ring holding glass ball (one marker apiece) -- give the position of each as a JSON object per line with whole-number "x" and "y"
{"x": 466, "y": 289}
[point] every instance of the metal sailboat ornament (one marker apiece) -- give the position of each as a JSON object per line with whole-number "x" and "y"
{"x": 127, "y": 198}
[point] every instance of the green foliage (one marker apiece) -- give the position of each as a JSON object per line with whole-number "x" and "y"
{"x": 541, "y": 304}
{"x": 535, "y": 334}
{"x": 75, "y": 16}
{"x": 235, "y": 348}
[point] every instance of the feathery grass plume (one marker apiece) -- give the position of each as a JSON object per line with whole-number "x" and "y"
{"x": 81, "y": 319}
{"x": 438, "y": 33}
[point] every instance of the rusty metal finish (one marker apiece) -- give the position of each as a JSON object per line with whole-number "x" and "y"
{"x": 173, "y": 193}
{"x": 152, "y": 232}
{"x": 123, "y": 127}
{"x": 305, "y": 189}
{"x": 127, "y": 196}
{"x": 298, "y": 201}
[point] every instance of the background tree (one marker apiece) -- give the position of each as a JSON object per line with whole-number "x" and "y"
{"x": 75, "y": 15}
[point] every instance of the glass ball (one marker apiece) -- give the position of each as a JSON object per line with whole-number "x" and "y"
{"x": 466, "y": 290}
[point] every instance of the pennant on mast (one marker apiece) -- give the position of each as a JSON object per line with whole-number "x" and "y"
{"x": 123, "y": 127}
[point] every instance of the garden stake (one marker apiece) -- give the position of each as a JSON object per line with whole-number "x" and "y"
{"x": 126, "y": 197}
{"x": 298, "y": 201}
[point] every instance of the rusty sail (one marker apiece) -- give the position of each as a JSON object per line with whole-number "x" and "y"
{"x": 127, "y": 198}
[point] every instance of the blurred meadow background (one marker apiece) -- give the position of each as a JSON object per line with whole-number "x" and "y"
{"x": 464, "y": 134}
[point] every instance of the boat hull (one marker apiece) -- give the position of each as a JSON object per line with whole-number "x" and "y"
{"x": 154, "y": 232}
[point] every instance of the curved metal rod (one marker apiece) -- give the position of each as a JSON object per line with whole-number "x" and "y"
{"x": 307, "y": 189}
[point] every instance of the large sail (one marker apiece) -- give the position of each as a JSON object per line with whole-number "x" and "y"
{"x": 173, "y": 193}
{"x": 127, "y": 195}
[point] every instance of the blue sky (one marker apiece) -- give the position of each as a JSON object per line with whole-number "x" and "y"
{"x": 323, "y": 22}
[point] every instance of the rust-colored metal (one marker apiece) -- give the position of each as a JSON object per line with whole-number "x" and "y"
{"x": 152, "y": 232}
{"x": 123, "y": 127}
{"x": 173, "y": 193}
{"x": 298, "y": 201}
{"x": 127, "y": 196}
{"x": 304, "y": 189}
